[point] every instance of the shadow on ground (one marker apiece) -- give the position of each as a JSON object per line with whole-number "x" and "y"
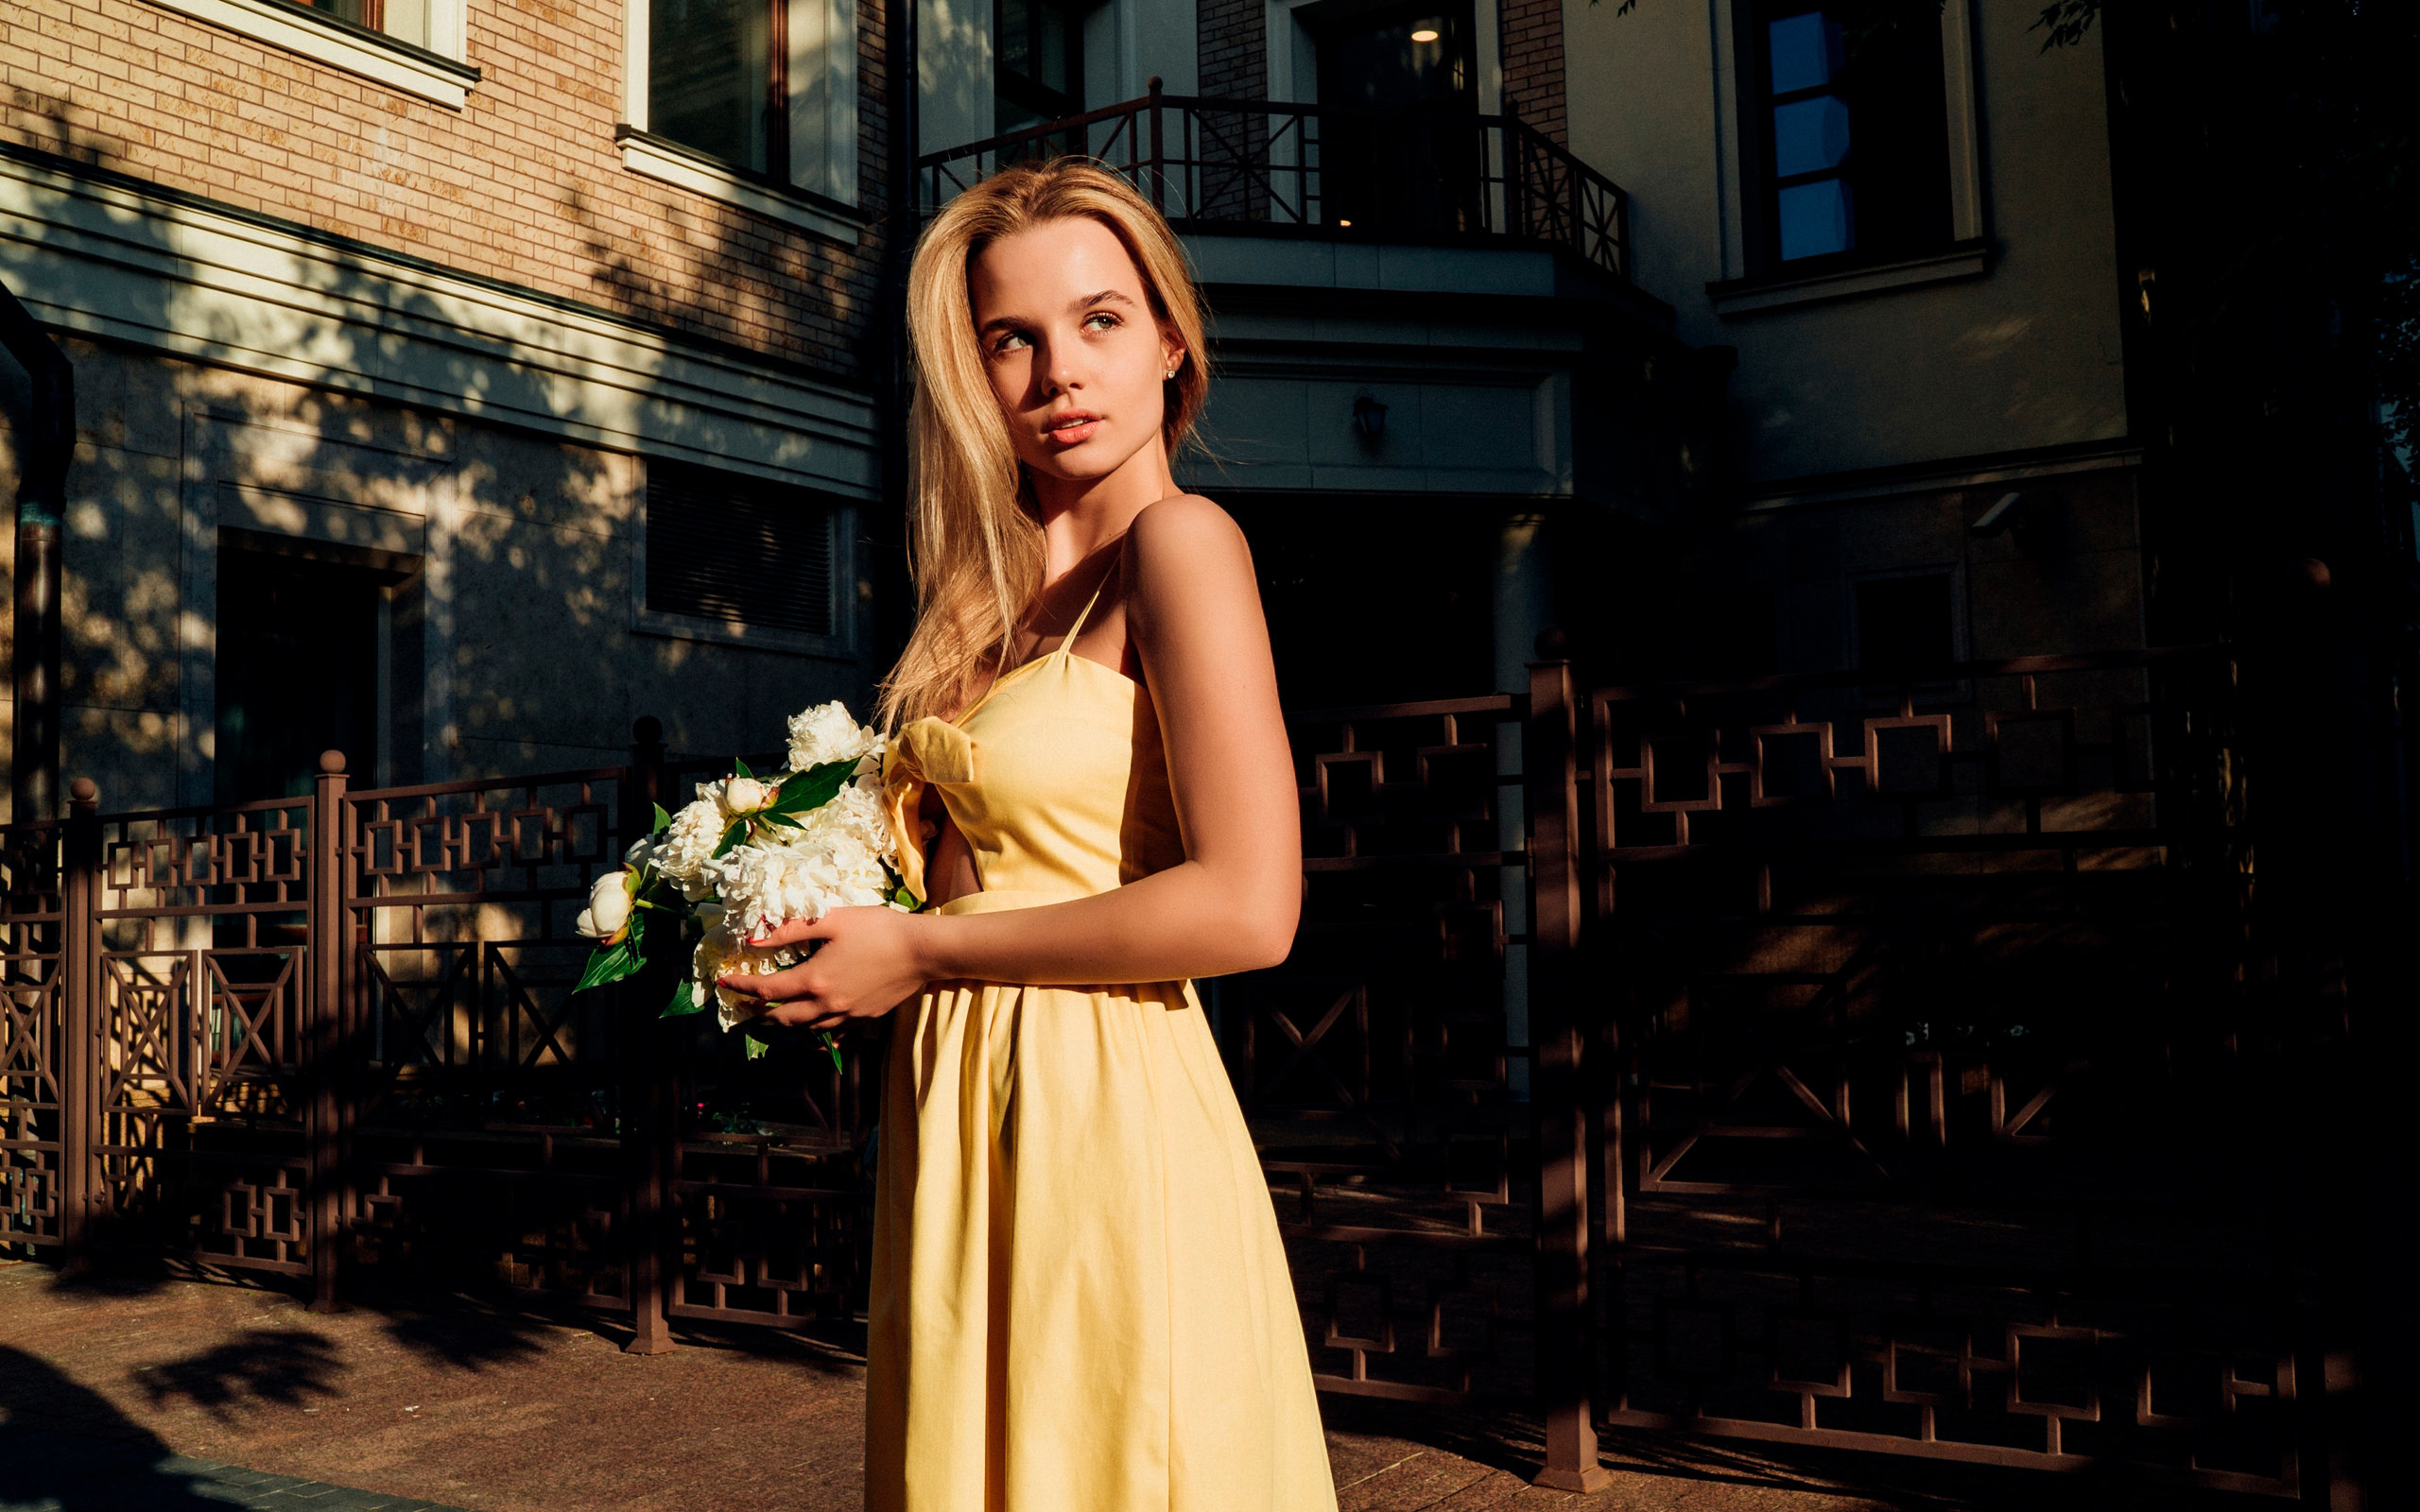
{"x": 66, "y": 1449}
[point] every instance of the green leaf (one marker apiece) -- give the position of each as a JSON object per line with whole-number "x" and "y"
{"x": 832, "y": 1048}
{"x": 685, "y": 1002}
{"x": 741, "y": 767}
{"x": 663, "y": 820}
{"x": 610, "y": 963}
{"x": 732, "y": 838}
{"x": 904, "y": 899}
{"x": 757, "y": 1049}
{"x": 803, "y": 792}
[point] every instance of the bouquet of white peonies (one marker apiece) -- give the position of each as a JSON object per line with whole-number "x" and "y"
{"x": 751, "y": 852}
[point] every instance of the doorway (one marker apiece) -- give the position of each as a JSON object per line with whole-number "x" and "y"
{"x": 1415, "y": 169}
{"x": 299, "y": 671}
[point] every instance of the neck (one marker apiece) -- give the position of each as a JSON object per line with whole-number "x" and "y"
{"x": 1082, "y": 515}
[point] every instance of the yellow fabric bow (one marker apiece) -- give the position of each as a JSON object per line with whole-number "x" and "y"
{"x": 926, "y": 751}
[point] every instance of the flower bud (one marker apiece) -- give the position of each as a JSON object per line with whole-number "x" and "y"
{"x": 607, "y": 914}
{"x": 746, "y": 795}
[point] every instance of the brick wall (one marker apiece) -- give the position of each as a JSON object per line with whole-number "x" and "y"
{"x": 1233, "y": 42}
{"x": 1532, "y": 43}
{"x": 524, "y": 184}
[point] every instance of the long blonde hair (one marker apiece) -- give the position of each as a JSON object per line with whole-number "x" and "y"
{"x": 973, "y": 538}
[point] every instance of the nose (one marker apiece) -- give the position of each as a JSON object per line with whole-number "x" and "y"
{"x": 1061, "y": 365}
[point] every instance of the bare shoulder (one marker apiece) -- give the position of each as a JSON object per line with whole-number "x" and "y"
{"x": 1180, "y": 527}
{"x": 1187, "y": 557}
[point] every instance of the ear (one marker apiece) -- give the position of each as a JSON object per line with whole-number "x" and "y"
{"x": 1172, "y": 353}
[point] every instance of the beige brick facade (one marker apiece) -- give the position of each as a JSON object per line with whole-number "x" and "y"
{"x": 522, "y": 184}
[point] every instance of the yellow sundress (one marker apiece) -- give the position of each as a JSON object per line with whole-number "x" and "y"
{"x": 1079, "y": 1299}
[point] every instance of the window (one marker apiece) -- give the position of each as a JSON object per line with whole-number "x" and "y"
{"x": 1906, "y": 625}
{"x": 725, "y": 556}
{"x": 1039, "y": 46}
{"x": 1849, "y": 133}
{"x": 404, "y": 19}
{"x": 297, "y": 672}
{"x": 1416, "y": 169}
{"x": 733, "y": 98}
{"x": 414, "y": 46}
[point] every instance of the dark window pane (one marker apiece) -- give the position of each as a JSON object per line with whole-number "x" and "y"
{"x": 1806, "y": 51}
{"x": 1038, "y": 54}
{"x": 1816, "y": 218}
{"x": 297, "y": 672}
{"x": 1904, "y": 625}
{"x": 707, "y": 75}
{"x": 1416, "y": 171}
{"x": 734, "y": 549}
{"x": 1810, "y": 135}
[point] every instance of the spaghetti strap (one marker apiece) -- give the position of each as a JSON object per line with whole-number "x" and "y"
{"x": 1067, "y": 642}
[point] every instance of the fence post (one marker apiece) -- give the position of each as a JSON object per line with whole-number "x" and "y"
{"x": 1567, "y": 1325}
{"x": 650, "y": 1114}
{"x": 79, "y": 961}
{"x": 323, "y": 1068}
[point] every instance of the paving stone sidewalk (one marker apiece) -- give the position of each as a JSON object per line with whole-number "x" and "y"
{"x": 73, "y": 1472}
{"x": 133, "y": 1395}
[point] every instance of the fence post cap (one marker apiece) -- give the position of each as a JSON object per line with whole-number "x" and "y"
{"x": 84, "y": 790}
{"x": 331, "y": 761}
{"x": 1553, "y": 645}
{"x": 647, "y": 730}
{"x": 1152, "y": 85}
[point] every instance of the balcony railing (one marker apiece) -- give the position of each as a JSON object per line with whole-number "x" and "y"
{"x": 1326, "y": 171}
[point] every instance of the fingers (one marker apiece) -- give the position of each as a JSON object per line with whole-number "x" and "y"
{"x": 798, "y": 930}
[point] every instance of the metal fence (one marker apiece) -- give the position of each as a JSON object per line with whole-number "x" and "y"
{"x": 1796, "y": 1059}
{"x": 1275, "y": 167}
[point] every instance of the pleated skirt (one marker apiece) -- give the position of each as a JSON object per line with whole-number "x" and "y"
{"x": 1079, "y": 1301}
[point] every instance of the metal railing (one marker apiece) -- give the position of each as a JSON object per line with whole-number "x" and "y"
{"x": 1274, "y": 166}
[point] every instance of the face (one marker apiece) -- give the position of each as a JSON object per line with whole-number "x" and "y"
{"x": 1074, "y": 356}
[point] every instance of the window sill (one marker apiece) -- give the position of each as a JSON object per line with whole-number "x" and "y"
{"x": 1746, "y": 296}
{"x": 398, "y": 65}
{"x": 731, "y": 632}
{"x": 668, "y": 162}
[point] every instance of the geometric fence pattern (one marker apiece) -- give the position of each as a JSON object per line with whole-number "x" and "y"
{"x": 1790, "y": 1060}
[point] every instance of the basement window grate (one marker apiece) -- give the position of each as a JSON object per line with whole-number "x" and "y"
{"x": 739, "y": 551}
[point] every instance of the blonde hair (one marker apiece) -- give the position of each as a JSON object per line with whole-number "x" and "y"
{"x": 973, "y": 539}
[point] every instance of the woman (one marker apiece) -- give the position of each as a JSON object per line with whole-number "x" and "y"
{"x": 1079, "y": 1299}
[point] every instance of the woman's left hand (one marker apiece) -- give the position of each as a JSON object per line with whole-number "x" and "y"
{"x": 865, "y": 964}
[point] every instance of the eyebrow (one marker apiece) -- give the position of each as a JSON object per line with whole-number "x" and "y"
{"x": 1008, "y": 323}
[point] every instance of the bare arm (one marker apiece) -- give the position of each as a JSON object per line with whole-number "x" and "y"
{"x": 1193, "y": 612}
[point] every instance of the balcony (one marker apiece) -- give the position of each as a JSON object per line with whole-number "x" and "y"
{"x": 1268, "y": 167}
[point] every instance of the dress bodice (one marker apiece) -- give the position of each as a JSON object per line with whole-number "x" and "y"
{"x": 1056, "y": 778}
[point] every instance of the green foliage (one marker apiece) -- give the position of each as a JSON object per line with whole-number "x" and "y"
{"x": 663, "y": 820}
{"x": 609, "y": 964}
{"x": 685, "y": 1000}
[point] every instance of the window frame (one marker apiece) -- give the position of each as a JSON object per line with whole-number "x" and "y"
{"x": 438, "y": 73}
{"x": 1755, "y": 282}
{"x": 839, "y": 646}
{"x": 814, "y": 192}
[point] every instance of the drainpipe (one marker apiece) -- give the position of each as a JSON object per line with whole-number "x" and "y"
{"x": 894, "y": 599}
{"x": 44, "y": 454}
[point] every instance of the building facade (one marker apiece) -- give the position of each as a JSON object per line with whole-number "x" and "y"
{"x": 460, "y": 381}
{"x": 1865, "y": 292}
{"x": 457, "y": 380}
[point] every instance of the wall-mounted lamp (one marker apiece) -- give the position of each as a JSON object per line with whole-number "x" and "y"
{"x": 2006, "y": 513}
{"x": 1425, "y": 34}
{"x": 1368, "y": 416}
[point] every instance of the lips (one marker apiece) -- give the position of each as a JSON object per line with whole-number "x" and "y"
{"x": 1072, "y": 428}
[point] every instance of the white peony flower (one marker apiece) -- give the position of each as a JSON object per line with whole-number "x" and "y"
{"x": 608, "y": 913}
{"x": 745, "y": 795}
{"x": 685, "y": 850}
{"x": 827, "y": 734}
